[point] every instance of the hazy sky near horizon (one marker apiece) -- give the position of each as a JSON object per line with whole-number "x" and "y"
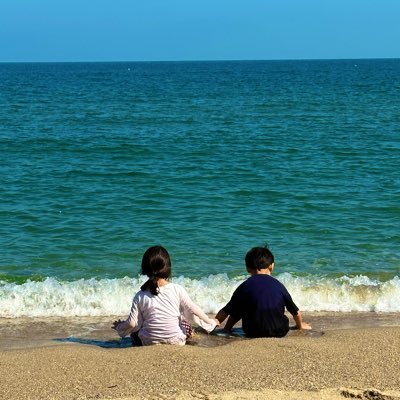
{"x": 150, "y": 30}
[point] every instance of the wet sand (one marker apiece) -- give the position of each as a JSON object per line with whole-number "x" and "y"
{"x": 345, "y": 356}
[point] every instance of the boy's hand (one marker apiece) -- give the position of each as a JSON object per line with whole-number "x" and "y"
{"x": 300, "y": 324}
{"x": 305, "y": 326}
{"x": 115, "y": 324}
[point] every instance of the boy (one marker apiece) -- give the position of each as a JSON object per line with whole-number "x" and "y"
{"x": 261, "y": 300}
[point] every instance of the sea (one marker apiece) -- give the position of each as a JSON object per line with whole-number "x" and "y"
{"x": 99, "y": 161}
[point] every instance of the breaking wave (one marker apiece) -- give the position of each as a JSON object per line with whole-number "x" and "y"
{"x": 102, "y": 297}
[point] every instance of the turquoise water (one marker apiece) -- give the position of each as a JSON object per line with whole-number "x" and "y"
{"x": 101, "y": 160}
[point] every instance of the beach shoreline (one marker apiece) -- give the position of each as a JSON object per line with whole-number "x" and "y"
{"x": 358, "y": 359}
{"x": 28, "y": 332}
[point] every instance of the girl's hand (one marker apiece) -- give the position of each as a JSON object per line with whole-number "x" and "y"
{"x": 218, "y": 323}
{"x": 115, "y": 324}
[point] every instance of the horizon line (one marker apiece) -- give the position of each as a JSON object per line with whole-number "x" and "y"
{"x": 199, "y": 61}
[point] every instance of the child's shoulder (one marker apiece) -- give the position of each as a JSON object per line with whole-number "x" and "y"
{"x": 263, "y": 279}
{"x": 176, "y": 288}
{"x": 168, "y": 289}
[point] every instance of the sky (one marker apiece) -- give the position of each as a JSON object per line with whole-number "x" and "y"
{"x": 179, "y": 30}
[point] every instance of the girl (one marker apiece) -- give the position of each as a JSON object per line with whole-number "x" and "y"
{"x": 156, "y": 309}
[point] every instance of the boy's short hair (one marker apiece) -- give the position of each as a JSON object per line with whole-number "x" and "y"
{"x": 259, "y": 258}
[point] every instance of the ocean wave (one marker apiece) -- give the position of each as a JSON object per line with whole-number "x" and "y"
{"x": 103, "y": 297}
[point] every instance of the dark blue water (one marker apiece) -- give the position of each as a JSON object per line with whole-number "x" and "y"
{"x": 98, "y": 161}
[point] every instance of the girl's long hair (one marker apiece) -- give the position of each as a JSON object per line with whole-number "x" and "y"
{"x": 156, "y": 264}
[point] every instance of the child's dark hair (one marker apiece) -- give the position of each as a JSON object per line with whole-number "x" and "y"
{"x": 259, "y": 258}
{"x": 156, "y": 264}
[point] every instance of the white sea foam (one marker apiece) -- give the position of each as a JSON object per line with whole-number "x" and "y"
{"x": 101, "y": 297}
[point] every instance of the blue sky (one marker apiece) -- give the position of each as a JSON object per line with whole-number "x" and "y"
{"x": 122, "y": 30}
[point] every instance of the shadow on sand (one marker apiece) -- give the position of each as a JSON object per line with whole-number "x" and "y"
{"x": 107, "y": 344}
{"x": 217, "y": 338}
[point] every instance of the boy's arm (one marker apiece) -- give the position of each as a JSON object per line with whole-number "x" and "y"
{"x": 230, "y": 323}
{"x": 294, "y": 310}
{"x": 221, "y": 316}
{"x": 233, "y": 307}
{"x": 300, "y": 324}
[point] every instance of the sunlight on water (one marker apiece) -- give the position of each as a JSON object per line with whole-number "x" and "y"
{"x": 209, "y": 160}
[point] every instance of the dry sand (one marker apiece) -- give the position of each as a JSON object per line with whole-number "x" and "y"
{"x": 358, "y": 363}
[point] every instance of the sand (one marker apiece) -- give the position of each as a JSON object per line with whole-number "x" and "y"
{"x": 358, "y": 363}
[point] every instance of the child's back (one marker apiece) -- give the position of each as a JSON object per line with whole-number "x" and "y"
{"x": 261, "y": 300}
{"x": 156, "y": 312}
{"x": 260, "y": 303}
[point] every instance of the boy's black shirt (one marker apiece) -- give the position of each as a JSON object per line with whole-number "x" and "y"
{"x": 260, "y": 302}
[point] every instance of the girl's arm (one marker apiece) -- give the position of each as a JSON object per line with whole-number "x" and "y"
{"x": 193, "y": 312}
{"x": 133, "y": 323}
